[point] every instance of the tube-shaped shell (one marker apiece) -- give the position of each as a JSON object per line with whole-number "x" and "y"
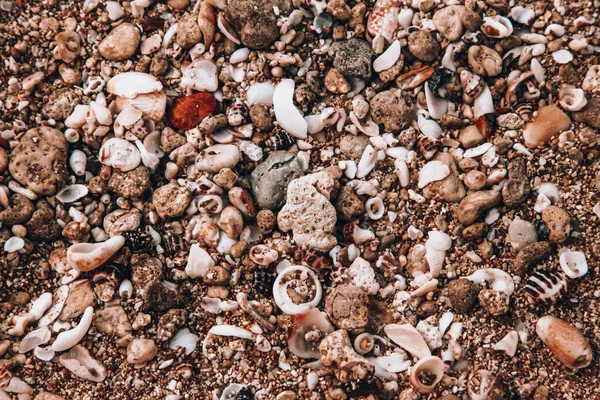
{"x": 70, "y": 338}
{"x": 433, "y": 366}
{"x": 287, "y": 114}
{"x": 565, "y": 341}
{"x": 482, "y": 385}
{"x": 89, "y": 256}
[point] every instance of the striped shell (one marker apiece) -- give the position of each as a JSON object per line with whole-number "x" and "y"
{"x": 5, "y": 375}
{"x": 280, "y": 141}
{"x": 383, "y": 18}
{"x": 546, "y": 287}
{"x": 427, "y": 146}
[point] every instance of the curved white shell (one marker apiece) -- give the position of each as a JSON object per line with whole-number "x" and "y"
{"x": 297, "y": 343}
{"x": 438, "y": 241}
{"x": 152, "y": 105}
{"x": 573, "y": 264}
{"x": 59, "y": 299}
{"x": 496, "y": 278}
{"x": 70, "y": 338}
{"x": 375, "y": 208}
{"x": 72, "y": 193}
{"x": 407, "y": 337}
{"x": 288, "y": 116}
{"x": 13, "y": 244}
{"x": 201, "y": 75}
{"x": 102, "y": 113}
{"x": 89, "y": 256}
{"x": 260, "y": 93}
{"x": 282, "y": 298}
{"x": 433, "y": 171}
{"x": 508, "y": 344}
{"x": 436, "y": 106}
{"x": 120, "y": 154}
{"x": 130, "y": 84}
{"x": 388, "y": 58}
{"x": 571, "y": 98}
{"x": 497, "y": 26}
{"x": 433, "y": 365}
{"x": 367, "y": 162}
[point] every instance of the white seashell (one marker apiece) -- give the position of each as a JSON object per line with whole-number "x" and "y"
{"x": 539, "y": 73}
{"x": 367, "y": 162}
{"x": 490, "y": 158}
{"x": 102, "y": 113}
{"x": 388, "y": 58}
{"x": 571, "y": 98}
{"x": 496, "y": 279}
{"x": 44, "y": 353}
{"x": 128, "y": 116}
{"x": 375, "y": 208}
{"x": 407, "y": 337}
{"x": 550, "y": 190}
{"x": 433, "y": 171}
{"x": 120, "y": 154}
{"x": 497, "y": 26}
{"x": 297, "y": 343}
{"x": 152, "y": 144}
{"x": 152, "y": 105}
{"x": 199, "y": 261}
{"x": 35, "y": 338}
{"x": 431, "y": 365}
{"x": 71, "y": 135}
{"x": 349, "y": 167}
{"x": 169, "y": 35}
{"x": 13, "y": 244}
{"x": 70, "y": 338}
{"x": 445, "y": 321}
{"x": 150, "y": 160}
{"x": 131, "y": 84}
{"x": 522, "y": 15}
{"x": 126, "y": 289}
{"x": 555, "y": 30}
{"x": 402, "y": 172}
{"x": 562, "y": 56}
{"x": 371, "y": 128}
{"x": 541, "y": 202}
{"x": 439, "y": 240}
{"x": 436, "y": 106}
{"x": 59, "y": 299}
{"x": 81, "y": 364}
{"x": 89, "y": 256}
{"x": 425, "y": 288}
{"x": 478, "y": 151}
{"x": 260, "y": 93}
{"x": 239, "y": 55}
{"x": 573, "y": 264}
{"x": 447, "y": 60}
{"x": 78, "y": 162}
{"x": 537, "y": 49}
{"x": 115, "y": 11}
{"x": 364, "y": 343}
{"x": 286, "y": 113}
{"x": 201, "y": 75}
{"x": 405, "y": 17}
{"x": 282, "y": 298}
{"x": 429, "y": 127}
{"x": 496, "y": 176}
{"x": 78, "y": 117}
{"x": 481, "y": 384}
{"x": 484, "y": 103}
{"x": 508, "y": 344}
{"x": 72, "y": 193}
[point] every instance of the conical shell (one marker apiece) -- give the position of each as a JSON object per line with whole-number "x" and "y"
{"x": 565, "y": 341}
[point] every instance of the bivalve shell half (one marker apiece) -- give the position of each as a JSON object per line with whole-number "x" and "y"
{"x": 409, "y": 338}
{"x": 72, "y": 193}
{"x": 388, "y": 58}
{"x": 573, "y": 264}
{"x": 564, "y": 340}
{"x": 131, "y": 84}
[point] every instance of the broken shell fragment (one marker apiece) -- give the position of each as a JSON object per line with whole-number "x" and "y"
{"x": 549, "y": 122}
{"x": 431, "y": 172}
{"x": 573, "y": 264}
{"x": 282, "y": 297}
{"x": 131, "y": 84}
{"x": 301, "y": 325}
{"x": 508, "y": 344}
{"x": 565, "y": 341}
{"x": 72, "y": 193}
{"x": 484, "y": 61}
{"x": 482, "y": 385}
{"x": 428, "y": 366}
{"x": 388, "y": 58}
{"x": 409, "y": 338}
{"x": 472, "y": 85}
{"x": 89, "y": 256}
{"x": 571, "y": 98}
{"x": 201, "y": 75}
{"x": 119, "y": 154}
{"x": 81, "y": 364}
{"x": 414, "y": 78}
{"x": 152, "y": 105}
{"x": 287, "y": 114}
{"x": 497, "y": 27}
{"x": 70, "y": 338}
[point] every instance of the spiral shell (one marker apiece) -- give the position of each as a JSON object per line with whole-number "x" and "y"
{"x": 262, "y": 255}
{"x": 383, "y": 19}
{"x": 571, "y": 98}
{"x": 280, "y": 141}
{"x": 546, "y": 287}
{"x": 472, "y": 85}
{"x": 427, "y": 146}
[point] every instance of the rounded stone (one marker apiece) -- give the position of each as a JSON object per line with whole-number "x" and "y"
{"x": 347, "y": 307}
{"x": 171, "y": 200}
{"x": 272, "y": 177}
{"x": 393, "y": 110}
{"x": 423, "y": 46}
{"x": 462, "y": 294}
{"x": 121, "y": 43}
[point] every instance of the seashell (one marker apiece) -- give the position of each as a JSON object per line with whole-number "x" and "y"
{"x": 405, "y": 18}
{"x": 5, "y": 374}
{"x": 522, "y": 15}
{"x": 68, "y": 46}
{"x": 486, "y": 124}
{"x": 427, "y": 146}
{"x": 13, "y": 244}
{"x": 508, "y": 344}
{"x": 433, "y": 171}
{"x": 78, "y": 162}
{"x": 119, "y": 154}
{"x": 81, "y": 364}
{"x": 201, "y": 75}
{"x": 383, "y": 20}
{"x": 445, "y": 83}
{"x": 439, "y": 241}
{"x": 565, "y": 341}
{"x": 185, "y": 339}
{"x": 149, "y": 160}
{"x": 132, "y": 84}
{"x": 199, "y": 261}
{"x": 375, "y": 208}
{"x": 573, "y": 264}
{"x": 478, "y": 151}
{"x": 70, "y": 338}
{"x": 89, "y": 256}
{"x": 429, "y": 127}
{"x": 126, "y": 289}
{"x": 511, "y": 95}
{"x": 388, "y": 59}
{"x": 207, "y": 22}
{"x": 232, "y": 391}
{"x": 431, "y": 365}
{"x": 263, "y": 255}
{"x": 44, "y": 353}
{"x": 242, "y": 200}
{"x": 546, "y": 287}
{"x": 35, "y": 338}
{"x": 533, "y": 38}
{"x": 484, "y": 61}
{"x": 407, "y": 337}
{"x": 286, "y": 113}
{"x": 555, "y": 30}
{"x": 364, "y": 343}
{"x": 240, "y": 55}
{"x": 539, "y": 73}
{"x": 497, "y": 27}
{"x": 152, "y": 105}
{"x": 484, "y": 103}
{"x": 495, "y": 278}
{"x": 525, "y": 111}
{"x": 78, "y": 117}
{"x": 302, "y": 324}
{"x": 550, "y": 121}
{"x": 260, "y": 93}
{"x": 435, "y": 106}
{"x": 209, "y": 234}
{"x": 562, "y": 56}
{"x": 414, "y": 78}
{"x": 482, "y": 385}
{"x": 282, "y": 297}
{"x": 571, "y": 98}
{"x": 227, "y": 30}
{"x": 214, "y": 158}
{"x": 102, "y": 113}
{"x": 367, "y": 162}
{"x": 472, "y": 85}
{"x": 59, "y": 299}
{"x": 357, "y": 235}
{"x": 72, "y": 193}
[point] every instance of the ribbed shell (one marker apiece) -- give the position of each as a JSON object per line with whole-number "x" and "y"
{"x": 546, "y": 287}
{"x": 5, "y": 374}
{"x": 280, "y": 141}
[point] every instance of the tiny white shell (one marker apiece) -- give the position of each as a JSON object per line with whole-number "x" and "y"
{"x": 261, "y": 93}
{"x": 367, "y": 162}
{"x": 78, "y": 162}
{"x": 407, "y": 337}
{"x": 288, "y": 116}
{"x": 13, "y": 244}
{"x": 573, "y": 264}
{"x": 508, "y": 344}
{"x": 562, "y": 56}
{"x": 497, "y": 26}
{"x": 388, "y": 58}
{"x": 201, "y": 75}
{"x": 130, "y": 84}
{"x": 72, "y": 193}
{"x": 571, "y": 98}
{"x": 375, "y": 208}
{"x": 436, "y": 106}
{"x": 120, "y": 154}
{"x": 431, "y": 172}
{"x": 522, "y": 15}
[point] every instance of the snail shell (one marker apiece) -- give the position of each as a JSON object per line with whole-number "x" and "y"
{"x": 571, "y": 98}
{"x": 546, "y": 287}
{"x": 565, "y": 341}
{"x": 484, "y": 61}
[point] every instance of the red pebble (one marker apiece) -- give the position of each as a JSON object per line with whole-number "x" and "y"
{"x": 187, "y": 111}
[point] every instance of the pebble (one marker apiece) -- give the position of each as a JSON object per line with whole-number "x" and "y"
{"x": 470, "y": 137}
{"x": 112, "y": 321}
{"x": 451, "y": 188}
{"x": 353, "y": 58}
{"x": 171, "y": 200}
{"x": 261, "y": 118}
{"x": 59, "y": 104}
{"x": 80, "y": 297}
{"x": 188, "y": 31}
{"x": 462, "y": 294}
{"x": 475, "y": 203}
{"x": 353, "y": 146}
{"x": 529, "y": 255}
{"x": 218, "y": 156}
{"x": 475, "y": 179}
{"x": 141, "y": 350}
{"x": 423, "y": 46}
{"x": 549, "y": 122}
{"x": 517, "y": 188}
{"x": 348, "y": 204}
{"x": 131, "y": 184}
{"x": 336, "y": 83}
{"x": 255, "y": 21}
{"x": 272, "y": 177}
{"x": 346, "y": 306}
{"x": 170, "y": 140}
{"x": 521, "y": 233}
{"x": 591, "y": 82}
{"x": 475, "y": 231}
{"x": 121, "y": 43}
{"x": 590, "y": 114}
{"x": 558, "y": 222}
{"x": 448, "y": 22}
{"x": 392, "y": 109}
